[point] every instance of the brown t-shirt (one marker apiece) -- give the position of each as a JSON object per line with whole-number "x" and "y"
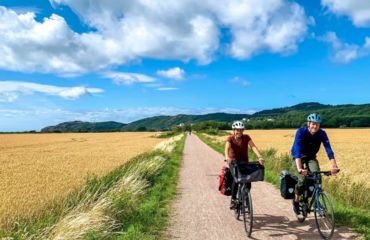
{"x": 239, "y": 152}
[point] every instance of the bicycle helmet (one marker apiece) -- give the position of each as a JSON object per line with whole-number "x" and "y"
{"x": 238, "y": 125}
{"x": 314, "y": 117}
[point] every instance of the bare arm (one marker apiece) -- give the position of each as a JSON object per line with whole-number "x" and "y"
{"x": 227, "y": 149}
{"x": 257, "y": 152}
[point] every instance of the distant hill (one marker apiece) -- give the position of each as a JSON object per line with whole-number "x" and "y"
{"x": 79, "y": 126}
{"x": 165, "y": 122}
{"x": 303, "y": 107}
{"x": 349, "y": 115}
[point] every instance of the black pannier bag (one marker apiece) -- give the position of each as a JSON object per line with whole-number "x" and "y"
{"x": 310, "y": 185}
{"x": 287, "y": 184}
{"x": 251, "y": 172}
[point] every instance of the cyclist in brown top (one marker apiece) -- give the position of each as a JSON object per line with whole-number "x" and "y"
{"x": 236, "y": 152}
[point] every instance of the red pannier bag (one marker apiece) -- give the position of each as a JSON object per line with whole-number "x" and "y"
{"x": 225, "y": 181}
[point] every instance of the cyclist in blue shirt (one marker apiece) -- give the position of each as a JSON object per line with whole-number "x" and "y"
{"x": 306, "y": 145}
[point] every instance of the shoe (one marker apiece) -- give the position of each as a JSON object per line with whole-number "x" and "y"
{"x": 296, "y": 207}
{"x": 233, "y": 204}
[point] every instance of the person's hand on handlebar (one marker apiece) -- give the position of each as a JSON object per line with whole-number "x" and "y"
{"x": 334, "y": 167}
{"x": 229, "y": 161}
{"x": 261, "y": 161}
{"x": 334, "y": 170}
{"x": 303, "y": 172}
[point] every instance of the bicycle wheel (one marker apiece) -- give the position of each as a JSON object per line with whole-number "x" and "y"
{"x": 247, "y": 211}
{"x": 324, "y": 215}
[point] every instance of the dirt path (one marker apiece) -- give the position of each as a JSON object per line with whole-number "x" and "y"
{"x": 201, "y": 212}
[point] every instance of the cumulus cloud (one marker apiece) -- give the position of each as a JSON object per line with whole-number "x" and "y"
{"x": 262, "y": 26}
{"x": 128, "y": 78}
{"x": 11, "y": 90}
{"x": 344, "y": 52}
{"x": 126, "y": 31}
{"x": 357, "y": 10}
{"x": 175, "y": 73}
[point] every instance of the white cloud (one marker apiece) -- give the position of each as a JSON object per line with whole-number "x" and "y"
{"x": 357, "y": 10}
{"x": 126, "y": 31}
{"x": 166, "y": 89}
{"x": 263, "y": 26}
{"x": 345, "y": 52}
{"x": 153, "y": 85}
{"x": 128, "y": 78}
{"x": 175, "y": 73}
{"x": 10, "y": 90}
{"x": 240, "y": 81}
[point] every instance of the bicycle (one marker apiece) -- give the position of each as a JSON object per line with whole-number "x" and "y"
{"x": 243, "y": 202}
{"x": 319, "y": 203}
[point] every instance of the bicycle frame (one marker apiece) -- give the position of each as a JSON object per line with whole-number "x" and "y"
{"x": 316, "y": 176}
{"x": 317, "y": 190}
{"x": 242, "y": 187}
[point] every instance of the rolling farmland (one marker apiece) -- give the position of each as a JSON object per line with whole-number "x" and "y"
{"x": 38, "y": 169}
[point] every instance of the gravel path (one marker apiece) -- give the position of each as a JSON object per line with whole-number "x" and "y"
{"x": 201, "y": 212}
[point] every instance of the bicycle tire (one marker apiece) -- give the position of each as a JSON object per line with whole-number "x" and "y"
{"x": 324, "y": 215}
{"x": 247, "y": 212}
{"x": 237, "y": 211}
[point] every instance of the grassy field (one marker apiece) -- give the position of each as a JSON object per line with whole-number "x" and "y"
{"x": 351, "y": 148}
{"x": 37, "y": 170}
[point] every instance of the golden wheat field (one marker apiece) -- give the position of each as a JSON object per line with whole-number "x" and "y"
{"x": 351, "y": 148}
{"x": 37, "y": 169}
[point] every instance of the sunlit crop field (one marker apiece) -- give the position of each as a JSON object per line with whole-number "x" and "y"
{"x": 351, "y": 148}
{"x": 37, "y": 169}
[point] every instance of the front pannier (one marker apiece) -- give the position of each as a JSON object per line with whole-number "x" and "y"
{"x": 287, "y": 184}
{"x": 251, "y": 172}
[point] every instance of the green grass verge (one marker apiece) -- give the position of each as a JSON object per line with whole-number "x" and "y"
{"x": 351, "y": 203}
{"x": 148, "y": 217}
{"x": 137, "y": 218}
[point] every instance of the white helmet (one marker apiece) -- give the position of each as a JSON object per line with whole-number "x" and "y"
{"x": 238, "y": 125}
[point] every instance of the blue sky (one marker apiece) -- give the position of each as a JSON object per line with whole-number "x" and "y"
{"x": 90, "y": 60}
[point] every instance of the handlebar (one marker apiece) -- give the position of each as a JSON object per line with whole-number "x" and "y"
{"x": 326, "y": 173}
{"x": 251, "y": 162}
